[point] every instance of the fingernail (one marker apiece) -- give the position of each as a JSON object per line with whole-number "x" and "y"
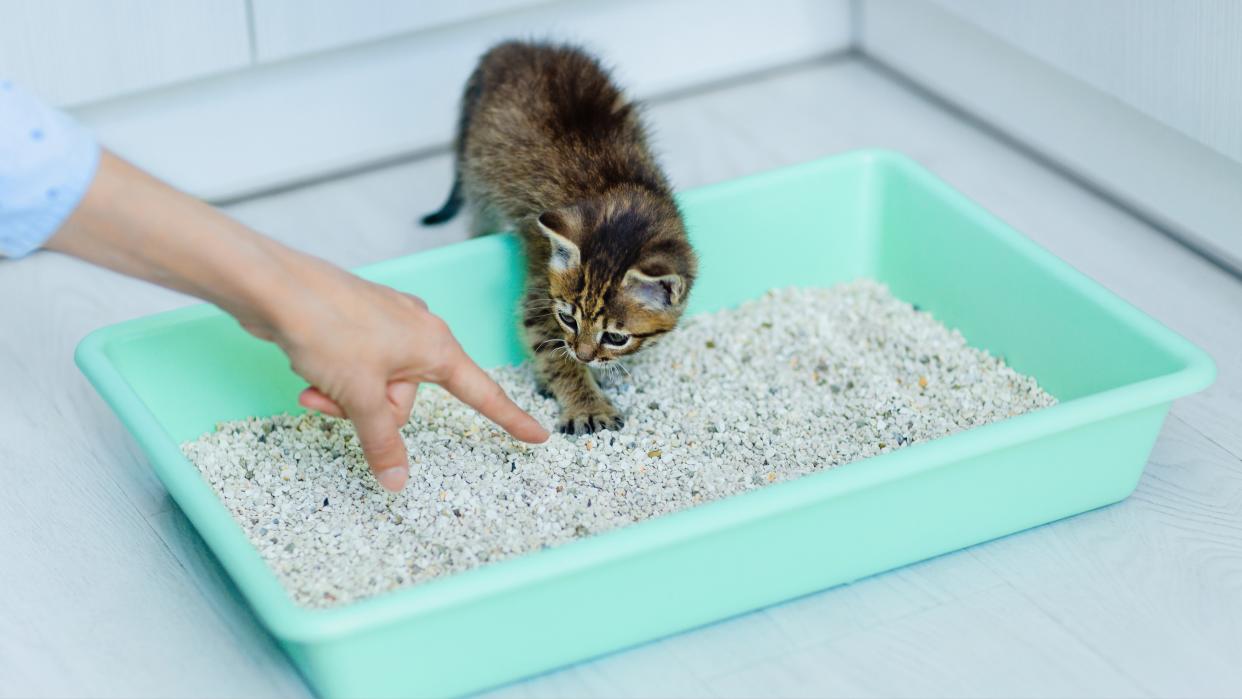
{"x": 393, "y": 478}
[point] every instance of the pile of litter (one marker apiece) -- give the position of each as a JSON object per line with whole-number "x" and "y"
{"x": 798, "y": 381}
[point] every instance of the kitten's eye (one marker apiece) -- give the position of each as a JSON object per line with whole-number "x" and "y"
{"x": 616, "y": 339}
{"x": 569, "y": 321}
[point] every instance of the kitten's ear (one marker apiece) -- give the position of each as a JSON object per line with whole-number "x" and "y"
{"x": 660, "y": 293}
{"x": 565, "y": 254}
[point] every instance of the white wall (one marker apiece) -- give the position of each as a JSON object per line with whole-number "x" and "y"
{"x": 78, "y": 51}
{"x": 1178, "y": 61}
{"x": 289, "y": 28}
{"x": 306, "y": 112}
{"x": 1179, "y": 176}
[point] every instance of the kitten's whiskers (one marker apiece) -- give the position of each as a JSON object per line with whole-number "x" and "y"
{"x": 549, "y": 341}
{"x": 619, "y": 365}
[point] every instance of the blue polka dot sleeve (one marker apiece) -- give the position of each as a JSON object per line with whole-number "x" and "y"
{"x": 47, "y": 161}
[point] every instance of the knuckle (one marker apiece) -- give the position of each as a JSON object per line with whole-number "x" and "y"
{"x": 493, "y": 393}
{"x": 436, "y": 325}
{"x": 383, "y": 447}
{"x": 381, "y": 444}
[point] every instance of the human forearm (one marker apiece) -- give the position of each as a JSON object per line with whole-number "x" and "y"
{"x": 363, "y": 347}
{"x": 134, "y": 224}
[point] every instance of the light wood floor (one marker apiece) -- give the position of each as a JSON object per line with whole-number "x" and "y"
{"x": 105, "y": 590}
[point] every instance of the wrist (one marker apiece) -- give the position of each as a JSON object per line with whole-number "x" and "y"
{"x": 261, "y": 286}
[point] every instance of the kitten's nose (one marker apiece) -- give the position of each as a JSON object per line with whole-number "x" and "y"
{"x": 585, "y": 353}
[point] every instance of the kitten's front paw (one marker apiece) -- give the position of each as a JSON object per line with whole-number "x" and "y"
{"x": 586, "y": 421}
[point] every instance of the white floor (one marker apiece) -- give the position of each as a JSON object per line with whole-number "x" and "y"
{"x": 106, "y": 591}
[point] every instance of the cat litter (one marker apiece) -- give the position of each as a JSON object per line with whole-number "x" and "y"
{"x": 795, "y": 382}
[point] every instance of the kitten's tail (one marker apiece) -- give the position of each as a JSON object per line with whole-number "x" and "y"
{"x": 450, "y": 208}
{"x": 469, "y": 99}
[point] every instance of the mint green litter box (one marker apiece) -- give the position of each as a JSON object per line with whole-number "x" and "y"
{"x": 1115, "y": 371}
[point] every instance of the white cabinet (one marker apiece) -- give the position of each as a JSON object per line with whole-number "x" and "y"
{"x": 77, "y": 51}
{"x": 285, "y": 28}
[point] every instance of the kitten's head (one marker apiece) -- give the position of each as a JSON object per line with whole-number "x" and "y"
{"x": 619, "y": 271}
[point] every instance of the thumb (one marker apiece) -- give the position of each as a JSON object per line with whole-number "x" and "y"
{"x": 381, "y": 442}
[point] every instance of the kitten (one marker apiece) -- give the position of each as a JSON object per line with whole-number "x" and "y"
{"x": 546, "y": 143}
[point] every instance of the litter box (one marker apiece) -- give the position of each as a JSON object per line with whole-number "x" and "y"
{"x": 172, "y": 376}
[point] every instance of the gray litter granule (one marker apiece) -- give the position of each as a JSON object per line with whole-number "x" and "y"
{"x": 795, "y": 382}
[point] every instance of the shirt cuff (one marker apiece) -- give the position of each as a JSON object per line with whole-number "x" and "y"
{"x": 50, "y": 163}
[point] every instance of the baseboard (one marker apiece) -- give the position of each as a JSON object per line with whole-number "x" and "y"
{"x": 272, "y": 125}
{"x": 1187, "y": 189}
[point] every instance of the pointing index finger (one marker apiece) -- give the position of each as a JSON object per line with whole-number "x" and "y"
{"x": 475, "y": 388}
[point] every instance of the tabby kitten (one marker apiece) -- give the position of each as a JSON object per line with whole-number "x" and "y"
{"x": 546, "y": 143}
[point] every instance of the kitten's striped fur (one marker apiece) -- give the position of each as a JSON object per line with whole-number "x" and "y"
{"x": 549, "y": 145}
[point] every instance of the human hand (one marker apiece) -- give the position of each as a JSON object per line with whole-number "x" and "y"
{"x": 365, "y": 348}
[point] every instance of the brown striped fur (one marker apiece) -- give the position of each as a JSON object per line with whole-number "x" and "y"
{"x": 549, "y": 145}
